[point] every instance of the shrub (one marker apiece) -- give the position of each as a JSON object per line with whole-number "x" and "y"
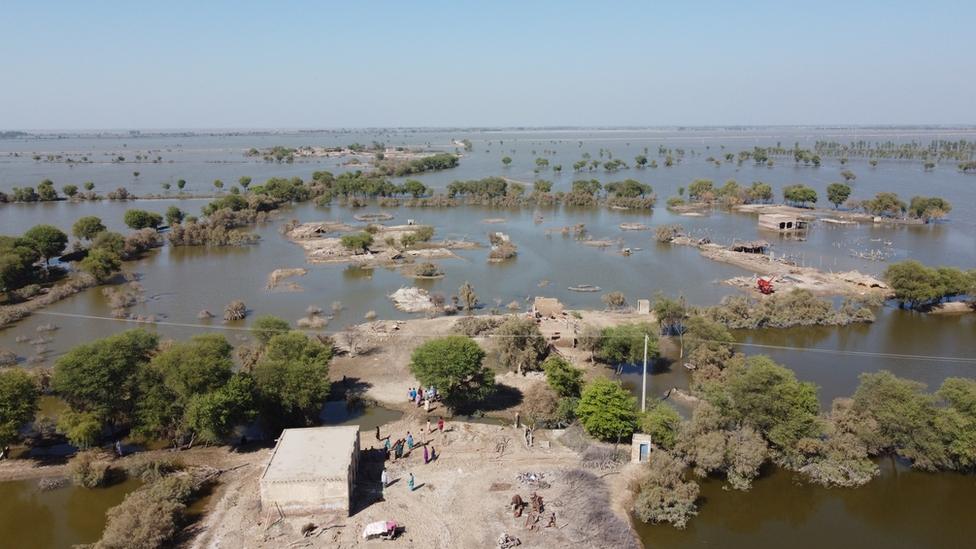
{"x": 665, "y": 496}
{"x": 89, "y": 469}
{"x": 562, "y": 376}
{"x": 149, "y": 517}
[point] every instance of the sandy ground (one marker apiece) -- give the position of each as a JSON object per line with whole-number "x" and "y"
{"x": 460, "y": 499}
{"x": 382, "y": 364}
{"x": 789, "y": 276}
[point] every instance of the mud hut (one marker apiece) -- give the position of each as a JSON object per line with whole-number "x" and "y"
{"x": 783, "y": 222}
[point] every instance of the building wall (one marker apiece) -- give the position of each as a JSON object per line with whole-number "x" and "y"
{"x": 313, "y": 495}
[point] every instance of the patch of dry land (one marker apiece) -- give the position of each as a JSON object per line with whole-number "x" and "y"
{"x": 787, "y": 275}
{"x": 322, "y": 242}
{"x": 461, "y": 499}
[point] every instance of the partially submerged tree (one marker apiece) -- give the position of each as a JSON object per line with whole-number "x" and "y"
{"x": 18, "y": 402}
{"x": 665, "y": 495}
{"x": 86, "y": 228}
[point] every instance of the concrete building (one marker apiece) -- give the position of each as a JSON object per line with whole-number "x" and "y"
{"x": 641, "y": 447}
{"x": 783, "y": 222}
{"x": 312, "y": 470}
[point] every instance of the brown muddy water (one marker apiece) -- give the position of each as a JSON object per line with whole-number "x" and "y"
{"x": 31, "y": 518}
{"x": 900, "y": 509}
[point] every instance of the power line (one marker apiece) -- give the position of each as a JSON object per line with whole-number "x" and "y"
{"x": 839, "y": 352}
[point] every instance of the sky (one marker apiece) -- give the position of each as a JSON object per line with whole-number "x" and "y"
{"x": 215, "y": 64}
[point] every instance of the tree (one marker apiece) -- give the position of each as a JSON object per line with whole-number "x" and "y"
{"x": 87, "y": 227}
{"x": 218, "y": 184}
{"x": 519, "y": 343}
{"x": 174, "y": 216}
{"x": 267, "y": 326}
{"x": 184, "y": 391}
{"x": 848, "y": 175}
{"x": 292, "y": 378}
{"x": 414, "y": 188}
{"x": 101, "y": 264}
{"x": 906, "y": 418}
{"x": 48, "y": 240}
{"x": 100, "y": 377}
{"x": 89, "y": 186}
{"x": 670, "y": 313}
{"x": 244, "y": 181}
{"x": 640, "y": 160}
{"x": 453, "y": 365}
{"x": 506, "y": 160}
{"x": 624, "y": 344}
{"x": 17, "y": 259}
{"x": 800, "y": 195}
{"x": 109, "y": 241}
{"x": 468, "y": 298}
{"x": 562, "y": 376}
{"x": 46, "y": 191}
{"x": 929, "y": 208}
{"x": 181, "y": 184}
{"x": 661, "y": 421}
{"x": 760, "y": 192}
{"x": 886, "y": 204}
{"x": 767, "y": 397}
{"x": 542, "y": 186}
{"x": 359, "y": 242}
{"x": 665, "y": 495}
{"x": 838, "y": 193}
{"x": 607, "y": 411}
{"x": 70, "y": 190}
{"x": 701, "y": 189}
{"x": 916, "y": 285}
{"x": 141, "y": 219}
{"x": 18, "y": 402}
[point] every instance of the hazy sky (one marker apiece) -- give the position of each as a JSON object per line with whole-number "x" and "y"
{"x": 214, "y": 64}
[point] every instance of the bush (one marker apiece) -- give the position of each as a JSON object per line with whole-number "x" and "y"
{"x": 89, "y": 469}
{"x": 665, "y": 496}
{"x": 149, "y": 517}
{"x": 358, "y": 242}
{"x": 667, "y": 233}
{"x": 519, "y": 343}
{"x": 152, "y": 468}
{"x": 661, "y": 421}
{"x": 624, "y": 344}
{"x": 474, "y": 326}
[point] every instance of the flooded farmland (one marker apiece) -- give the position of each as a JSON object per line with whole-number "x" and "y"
{"x": 910, "y": 507}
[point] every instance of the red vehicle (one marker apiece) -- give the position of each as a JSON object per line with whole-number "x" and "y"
{"x": 765, "y": 286}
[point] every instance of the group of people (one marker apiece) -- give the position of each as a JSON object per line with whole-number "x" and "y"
{"x": 401, "y": 447}
{"x": 421, "y": 396}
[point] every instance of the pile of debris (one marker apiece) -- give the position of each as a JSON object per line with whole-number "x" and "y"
{"x": 412, "y": 300}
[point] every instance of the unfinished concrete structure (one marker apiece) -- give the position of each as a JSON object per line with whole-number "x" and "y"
{"x": 783, "y": 222}
{"x": 312, "y": 470}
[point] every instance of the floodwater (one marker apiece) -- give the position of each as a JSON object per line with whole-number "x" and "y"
{"x": 31, "y": 517}
{"x": 179, "y": 282}
{"x": 901, "y": 508}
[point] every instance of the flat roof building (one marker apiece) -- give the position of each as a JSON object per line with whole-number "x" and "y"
{"x": 312, "y": 470}
{"x": 782, "y": 222}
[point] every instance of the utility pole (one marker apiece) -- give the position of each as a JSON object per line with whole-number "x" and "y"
{"x": 644, "y": 379}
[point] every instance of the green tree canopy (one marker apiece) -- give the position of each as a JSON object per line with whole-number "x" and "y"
{"x": 624, "y": 344}
{"x": 838, "y": 193}
{"x": 292, "y": 378}
{"x": 141, "y": 219}
{"x": 48, "y": 240}
{"x": 453, "y": 365}
{"x": 267, "y": 326}
{"x": 563, "y": 377}
{"x": 18, "y": 402}
{"x": 607, "y": 411}
{"x": 100, "y": 377}
{"x": 87, "y": 227}
{"x": 100, "y": 263}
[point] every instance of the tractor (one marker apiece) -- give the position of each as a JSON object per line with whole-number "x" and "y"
{"x": 765, "y": 286}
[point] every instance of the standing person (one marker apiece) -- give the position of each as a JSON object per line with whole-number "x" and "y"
{"x": 433, "y": 454}
{"x": 440, "y": 424}
{"x": 410, "y": 394}
{"x": 385, "y": 478}
{"x": 427, "y": 405}
{"x": 410, "y": 482}
{"x": 386, "y": 446}
{"x": 418, "y": 400}
{"x": 409, "y": 440}
{"x": 118, "y": 448}
{"x": 428, "y": 425}
{"x": 426, "y": 456}
{"x": 377, "y": 432}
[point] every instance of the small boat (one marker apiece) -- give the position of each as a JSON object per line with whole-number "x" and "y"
{"x": 584, "y": 288}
